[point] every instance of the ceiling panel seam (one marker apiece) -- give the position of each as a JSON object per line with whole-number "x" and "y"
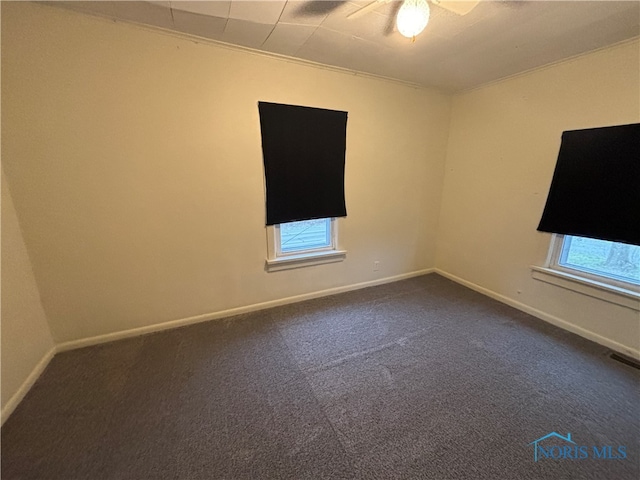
{"x": 276, "y": 24}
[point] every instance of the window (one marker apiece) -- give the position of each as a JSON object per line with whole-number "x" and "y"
{"x": 618, "y": 263}
{"x": 598, "y": 268}
{"x": 594, "y": 194}
{"x": 303, "y": 149}
{"x": 307, "y": 235}
{"x": 303, "y": 243}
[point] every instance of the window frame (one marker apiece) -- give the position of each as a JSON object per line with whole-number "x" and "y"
{"x": 605, "y": 288}
{"x": 278, "y": 260}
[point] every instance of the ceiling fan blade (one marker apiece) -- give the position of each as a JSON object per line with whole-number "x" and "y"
{"x": 318, "y": 8}
{"x": 458, "y": 7}
{"x": 366, "y": 9}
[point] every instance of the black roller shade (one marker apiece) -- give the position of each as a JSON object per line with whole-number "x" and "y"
{"x": 304, "y": 156}
{"x": 595, "y": 191}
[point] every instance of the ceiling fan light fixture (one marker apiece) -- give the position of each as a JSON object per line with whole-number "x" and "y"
{"x": 413, "y": 17}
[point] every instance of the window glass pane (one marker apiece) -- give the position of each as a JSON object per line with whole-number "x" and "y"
{"x": 609, "y": 259}
{"x": 305, "y": 235}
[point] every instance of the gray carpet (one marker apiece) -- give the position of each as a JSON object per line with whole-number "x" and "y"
{"x": 419, "y": 379}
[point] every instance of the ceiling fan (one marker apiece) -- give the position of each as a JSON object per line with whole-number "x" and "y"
{"x": 412, "y": 16}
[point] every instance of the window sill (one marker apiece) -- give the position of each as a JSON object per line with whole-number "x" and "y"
{"x": 592, "y": 288}
{"x": 305, "y": 260}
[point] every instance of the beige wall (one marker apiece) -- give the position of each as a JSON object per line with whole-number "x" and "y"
{"x": 26, "y": 339}
{"x": 502, "y": 150}
{"x": 135, "y": 163}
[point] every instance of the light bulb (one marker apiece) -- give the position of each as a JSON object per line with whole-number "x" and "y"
{"x": 413, "y": 17}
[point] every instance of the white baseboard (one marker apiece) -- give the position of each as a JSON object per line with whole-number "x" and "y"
{"x": 8, "y": 409}
{"x": 26, "y": 385}
{"x": 134, "y": 332}
{"x": 17, "y": 397}
{"x": 558, "y": 322}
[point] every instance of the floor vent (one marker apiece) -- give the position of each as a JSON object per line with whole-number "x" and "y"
{"x": 632, "y": 362}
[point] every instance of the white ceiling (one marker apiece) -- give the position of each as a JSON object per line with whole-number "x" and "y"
{"x": 497, "y": 39}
